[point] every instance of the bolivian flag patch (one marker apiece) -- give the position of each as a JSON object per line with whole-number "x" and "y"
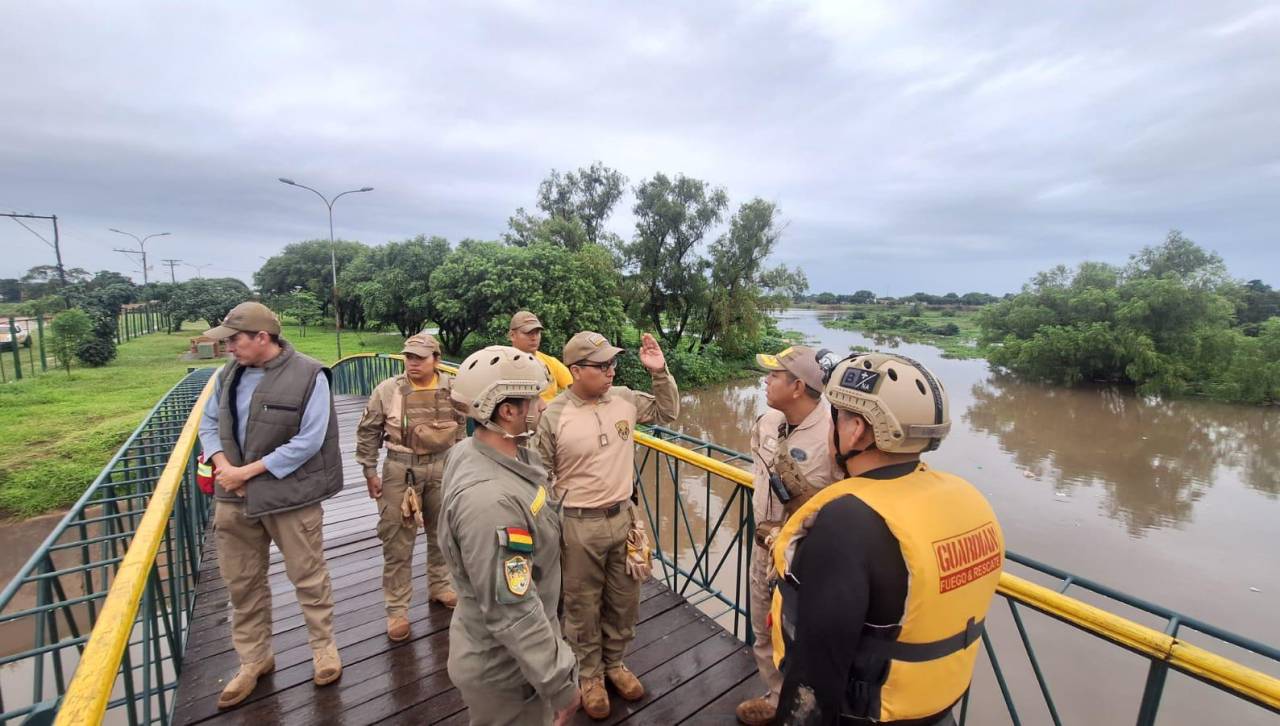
{"x": 516, "y": 539}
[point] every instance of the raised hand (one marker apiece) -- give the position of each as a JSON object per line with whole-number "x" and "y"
{"x": 651, "y": 356}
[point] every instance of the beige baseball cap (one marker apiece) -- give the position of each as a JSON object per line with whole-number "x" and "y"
{"x": 422, "y": 344}
{"x": 248, "y": 317}
{"x": 800, "y": 361}
{"x": 589, "y": 347}
{"x": 525, "y": 322}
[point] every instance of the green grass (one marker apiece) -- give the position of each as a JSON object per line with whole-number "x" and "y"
{"x": 56, "y": 433}
{"x": 898, "y": 322}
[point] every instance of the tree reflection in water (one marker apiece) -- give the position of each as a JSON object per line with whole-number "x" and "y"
{"x": 1154, "y": 458}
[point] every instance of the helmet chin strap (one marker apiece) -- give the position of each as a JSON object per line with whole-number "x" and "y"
{"x": 530, "y": 426}
{"x": 841, "y": 456}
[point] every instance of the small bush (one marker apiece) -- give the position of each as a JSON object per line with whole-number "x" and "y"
{"x": 96, "y": 352}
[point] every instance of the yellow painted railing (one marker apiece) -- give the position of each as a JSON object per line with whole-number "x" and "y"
{"x": 90, "y": 689}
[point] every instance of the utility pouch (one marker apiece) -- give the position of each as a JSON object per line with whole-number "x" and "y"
{"x": 433, "y": 437}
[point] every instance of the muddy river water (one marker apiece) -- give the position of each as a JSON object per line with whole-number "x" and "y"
{"x": 1177, "y": 502}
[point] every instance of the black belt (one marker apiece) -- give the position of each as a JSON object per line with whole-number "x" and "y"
{"x": 589, "y": 513}
{"x": 883, "y": 641}
{"x": 412, "y": 459}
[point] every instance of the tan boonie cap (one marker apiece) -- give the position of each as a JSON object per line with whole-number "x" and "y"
{"x": 589, "y": 347}
{"x": 800, "y": 361}
{"x": 525, "y": 322}
{"x": 249, "y": 317}
{"x": 422, "y": 344}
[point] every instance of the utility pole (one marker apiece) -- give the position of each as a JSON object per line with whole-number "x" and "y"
{"x": 142, "y": 248}
{"x": 171, "y": 263}
{"x": 56, "y": 244}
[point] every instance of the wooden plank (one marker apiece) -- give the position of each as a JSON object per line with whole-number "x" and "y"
{"x": 667, "y": 677}
{"x": 689, "y": 697}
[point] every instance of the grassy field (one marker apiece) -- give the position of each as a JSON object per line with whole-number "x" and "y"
{"x": 56, "y": 433}
{"x": 955, "y": 332}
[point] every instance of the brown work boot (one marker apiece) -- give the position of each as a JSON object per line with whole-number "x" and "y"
{"x": 245, "y": 681}
{"x": 327, "y": 665}
{"x": 756, "y": 712}
{"x": 595, "y": 700}
{"x": 447, "y": 598}
{"x": 397, "y": 628}
{"x": 626, "y": 683}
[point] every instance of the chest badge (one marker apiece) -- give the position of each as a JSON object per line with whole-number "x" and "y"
{"x": 799, "y": 454}
{"x": 516, "y": 570}
{"x": 624, "y": 429}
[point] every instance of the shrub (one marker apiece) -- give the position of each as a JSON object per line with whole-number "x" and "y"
{"x": 96, "y": 352}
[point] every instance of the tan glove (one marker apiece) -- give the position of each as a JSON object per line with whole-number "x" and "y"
{"x": 411, "y": 506}
{"x": 797, "y": 485}
{"x": 766, "y": 532}
{"x": 639, "y": 562}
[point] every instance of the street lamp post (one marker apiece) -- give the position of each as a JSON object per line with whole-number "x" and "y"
{"x": 333, "y": 255}
{"x": 142, "y": 245}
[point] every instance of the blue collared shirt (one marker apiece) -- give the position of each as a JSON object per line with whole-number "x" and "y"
{"x": 291, "y": 454}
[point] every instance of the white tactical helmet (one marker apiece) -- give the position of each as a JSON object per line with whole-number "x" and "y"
{"x": 490, "y": 375}
{"x": 905, "y": 404}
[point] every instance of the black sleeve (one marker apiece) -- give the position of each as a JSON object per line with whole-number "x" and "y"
{"x": 850, "y": 572}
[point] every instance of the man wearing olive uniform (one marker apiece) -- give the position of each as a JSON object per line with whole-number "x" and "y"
{"x": 500, "y": 532}
{"x": 585, "y": 440}
{"x": 413, "y": 416}
{"x": 789, "y": 439}
{"x": 525, "y": 333}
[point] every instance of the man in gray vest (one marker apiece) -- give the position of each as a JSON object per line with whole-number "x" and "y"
{"x": 271, "y": 431}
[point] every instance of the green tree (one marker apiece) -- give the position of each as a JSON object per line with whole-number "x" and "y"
{"x": 393, "y": 281}
{"x": 863, "y": 297}
{"x": 672, "y": 217}
{"x": 307, "y": 265}
{"x": 68, "y": 331}
{"x": 303, "y": 307}
{"x": 207, "y": 299}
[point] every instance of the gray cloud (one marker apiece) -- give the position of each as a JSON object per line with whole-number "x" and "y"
{"x": 943, "y": 147}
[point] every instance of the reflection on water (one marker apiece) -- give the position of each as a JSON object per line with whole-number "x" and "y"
{"x": 1155, "y": 459}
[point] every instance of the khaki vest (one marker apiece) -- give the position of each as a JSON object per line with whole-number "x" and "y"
{"x": 274, "y": 417}
{"x": 953, "y": 548}
{"x": 428, "y": 423}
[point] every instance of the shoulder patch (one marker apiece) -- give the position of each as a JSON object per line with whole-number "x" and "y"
{"x": 799, "y": 454}
{"x": 516, "y": 539}
{"x": 515, "y": 570}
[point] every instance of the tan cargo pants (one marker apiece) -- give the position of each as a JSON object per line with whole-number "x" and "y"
{"x": 761, "y": 600}
{"x": 243, "y": 549}
{"x": 398, "y": 534}
{"x": 601, "y": 601}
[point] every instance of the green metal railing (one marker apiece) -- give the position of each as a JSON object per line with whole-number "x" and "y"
{"x": 60, "y": 594}
{"x": 695, "y": 494}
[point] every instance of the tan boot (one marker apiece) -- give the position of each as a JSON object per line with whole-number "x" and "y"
{"x": 245, "y": 681}
{"x": 595, "y": 699}
{"x": 447, "y": 598}
{"x": 327, "y": 665}
{"x": 756, "y": 712}
{"x": 398, "y": 628}
{"x": 626, "y": 683}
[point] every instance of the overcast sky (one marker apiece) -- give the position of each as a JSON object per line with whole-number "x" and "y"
{"x": 940, "y": 146}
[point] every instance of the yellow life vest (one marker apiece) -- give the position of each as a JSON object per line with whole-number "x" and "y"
{"x": 953, "y": 549}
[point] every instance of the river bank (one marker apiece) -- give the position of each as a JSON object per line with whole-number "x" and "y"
{"x": 953, "y": 330}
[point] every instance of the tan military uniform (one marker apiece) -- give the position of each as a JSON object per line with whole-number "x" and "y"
{"x": 500, "y": 533}
{"x": 808, "y": 445}
{"x": 590, "y": 452}
{"x": 409, "y": 423}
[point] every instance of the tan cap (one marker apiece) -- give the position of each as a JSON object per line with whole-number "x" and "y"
{"x": 525, "y": 321}
{"x": 422, "y": 344}
{"x": 800, "y": 361}
{"x": 589, "y": 347}
{"x": 249, "y": 317}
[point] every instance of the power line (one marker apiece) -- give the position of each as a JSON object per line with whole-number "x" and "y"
{"x": 56, "y": 245}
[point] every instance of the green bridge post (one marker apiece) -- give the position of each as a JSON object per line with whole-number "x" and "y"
{"x": 44, "y": 362}
{"x": 17, "y": 355}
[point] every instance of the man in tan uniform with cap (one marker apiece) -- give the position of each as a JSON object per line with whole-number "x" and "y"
{"x": 271, "y": 431}
{"x": 413, "y": 416}
{"x": 526, "y": 335}
{"x": 500, "y": 530}
{"x": 585, "y": 441}
{"x": 789, "y": 445}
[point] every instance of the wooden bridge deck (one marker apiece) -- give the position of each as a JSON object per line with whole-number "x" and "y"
{"x": 694, "y": 671}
